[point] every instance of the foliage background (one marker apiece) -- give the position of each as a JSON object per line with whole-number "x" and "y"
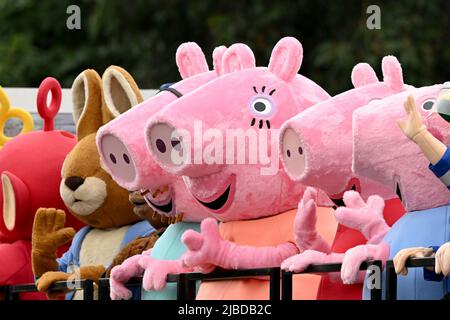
{"x": 142, "y": 36}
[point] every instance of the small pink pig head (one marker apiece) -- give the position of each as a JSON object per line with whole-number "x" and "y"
{"x": 316, "y": 145}
{"x": 123, "y": 138}
{"x": 382, "y": 152}
{"x": 222, "y": 138}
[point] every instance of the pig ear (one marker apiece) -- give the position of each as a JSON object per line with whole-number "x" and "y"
{"x": 237, "y": 57}
{"x": 217, "y": 59}
{"x": 190, "y": 60}
{"x": 363, "y": 74}
{"x": 392, "y": 73}
{"x": 120, "y": 91}
{"x": 16, "y": 202}
{"x": 286, "y": 58}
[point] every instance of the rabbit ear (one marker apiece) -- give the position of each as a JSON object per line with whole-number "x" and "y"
{"x": 363, "y": 74}
{"x": 217, "y": 59}
{"x": 87, "y": 103}
{"x": 286, "y": 58}
{"x": 190, "y": 60}
{"x": 237, "y": 57}
{"x": 392, "y": 73}
{"x": 120, "y": 91}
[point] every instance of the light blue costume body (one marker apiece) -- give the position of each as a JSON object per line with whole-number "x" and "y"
{"x": 170, "y": 247}
{"x": 425, "y": 228}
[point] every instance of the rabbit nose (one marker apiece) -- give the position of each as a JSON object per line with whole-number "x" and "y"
{"x": 117, "y": 158}
{"x": 73, "y": 182}
{"x": 293, "y": 153}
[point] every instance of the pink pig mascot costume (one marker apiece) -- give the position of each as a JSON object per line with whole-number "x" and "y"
{"x": 316, "y": 148}
{"x": 383, "y": 152}
{"x": 253, "y": 198}
{"x": 164, "y": 192}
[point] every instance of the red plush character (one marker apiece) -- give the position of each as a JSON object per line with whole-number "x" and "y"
{"x": 30, "y": 169}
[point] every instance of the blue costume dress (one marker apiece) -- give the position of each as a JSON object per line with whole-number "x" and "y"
{"x": 71, "y": 258}
{"x": 425, "y": 228}
{"x": 170, "y": 247}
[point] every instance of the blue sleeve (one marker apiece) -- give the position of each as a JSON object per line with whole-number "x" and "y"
{"x": 65, "y": 261}
{"x": 429, "y": 275}
{"x": 442, "y": 168}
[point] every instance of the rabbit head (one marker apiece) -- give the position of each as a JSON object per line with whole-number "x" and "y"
{"x": 88, "y": 191}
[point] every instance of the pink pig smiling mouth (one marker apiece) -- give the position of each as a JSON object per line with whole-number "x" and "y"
{"x": 220, "y": 200}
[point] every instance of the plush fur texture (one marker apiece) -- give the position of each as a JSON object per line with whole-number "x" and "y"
{"x": 88, "y": 191}
{"x": 383, "y": 153}
{"x": 208, "y": 181}
{"x": 160, "y": 187}
{"x": 249, "y": 197}
{"x": 30, "y": 167}
{"x": 324, "y": 163}
{"x": 143, "y": 172}
{"x": 316, "y": 148}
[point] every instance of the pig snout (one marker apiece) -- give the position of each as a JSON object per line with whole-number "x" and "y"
{"x": 117, "y": 158}
{"x": 176, "y": 150}
{"x": 293, "y": 153}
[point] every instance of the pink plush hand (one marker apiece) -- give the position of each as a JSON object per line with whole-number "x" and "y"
{"x": 354, "y": 257}
{"x": 156, "y": 271}
{"x": 300, "y": 262}
{"x": 204, "y": 248}
{"x": 365, "y": 217}
{"x": 305, "y": 232}
{"x": 121, "y": 274}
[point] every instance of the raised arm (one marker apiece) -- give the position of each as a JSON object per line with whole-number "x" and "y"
{"x": 415, "y": 130}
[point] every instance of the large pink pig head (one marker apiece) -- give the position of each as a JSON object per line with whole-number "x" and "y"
{"x": 122, "y": 145}
{"x": 383, "y": 153}
{"x": 316, "y": 145}
{"x": 222, "y": 138}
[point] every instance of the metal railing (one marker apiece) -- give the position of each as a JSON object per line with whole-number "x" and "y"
{"x": 391, "y": 276}
{"x": 281, "y": 282}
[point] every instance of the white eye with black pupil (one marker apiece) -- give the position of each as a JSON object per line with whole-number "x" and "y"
{"x": 427, "y": 105}
{"x": 262, "y": 107}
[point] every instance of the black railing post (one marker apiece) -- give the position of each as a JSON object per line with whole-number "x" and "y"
{"x": 181, "y": 287}
{"x": 88, "y": 290}
{"x": 275, "y": 283}
{"x": 103, "y": 289}
{"x": 191, "y": 289}
{"x": 391, "y": 281}
{"x": 7, "y": 293}
{"x": 286, "y": 286}
{"x": 376, "y": 293}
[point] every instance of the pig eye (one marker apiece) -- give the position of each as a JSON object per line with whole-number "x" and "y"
{"x": 427, "y": 105}
{"x": 262, "y": 107}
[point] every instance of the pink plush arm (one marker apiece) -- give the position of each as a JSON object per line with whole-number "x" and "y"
{"x": 156, "y": 271}
{"x": 305, "y": 232}
{"x": 366, "y": 217}
{"x": 208, "y": 247}
{"x": 121, "y": 274}
{"x": 354, "y": 257}
{"x": 301, "y": 261}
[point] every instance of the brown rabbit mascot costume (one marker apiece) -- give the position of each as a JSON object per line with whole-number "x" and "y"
{"x": 113, "y": 231}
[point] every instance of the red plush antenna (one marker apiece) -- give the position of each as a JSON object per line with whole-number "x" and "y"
{"x": 48, "y": 112}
